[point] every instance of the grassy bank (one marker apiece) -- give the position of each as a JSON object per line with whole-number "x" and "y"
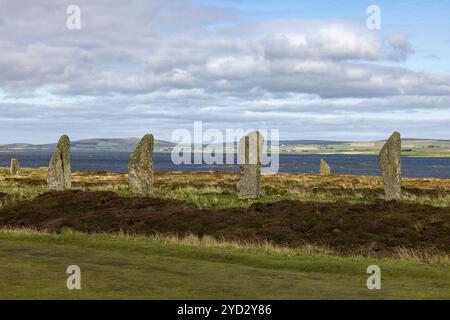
{"x": 33, "y": 265}
{"x": 307, "y": 236}
{"x": 218, "y": 189}
{"x": 379, "y": 228}
{"x": 346, "y": 213}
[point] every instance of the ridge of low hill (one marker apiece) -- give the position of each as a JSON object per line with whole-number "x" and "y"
{"x": 410, "y": 146}
{"x": 99, "y": 144}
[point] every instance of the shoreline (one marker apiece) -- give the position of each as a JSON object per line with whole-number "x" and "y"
{"x": 349, "y": 153}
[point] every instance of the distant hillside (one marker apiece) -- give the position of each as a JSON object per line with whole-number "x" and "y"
{"x": 309, "y": 142}
{"x": 126, "y": 144}
{"x": 410, "y": 147}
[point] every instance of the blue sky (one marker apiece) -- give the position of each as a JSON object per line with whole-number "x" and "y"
{"x": 427, "y": 23}
{"x": 310, "y": 69}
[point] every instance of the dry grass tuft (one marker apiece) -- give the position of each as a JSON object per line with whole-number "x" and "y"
{"x": 191, "y": 240}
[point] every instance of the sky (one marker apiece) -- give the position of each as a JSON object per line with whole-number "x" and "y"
{"x": 312, "y": 69}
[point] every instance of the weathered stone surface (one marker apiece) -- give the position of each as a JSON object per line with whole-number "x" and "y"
{"x": 249, "y": 156}
{"x": 14, "y": 170}
{"x": 390, "y": 164}
{"x": 58, "y": 175}
{"x": 325, "y": 169}
{"x": 140, "y": 166}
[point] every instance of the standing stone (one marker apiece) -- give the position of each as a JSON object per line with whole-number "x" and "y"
{"x": 140, "y": 166}
{"x": 249, "y": 156}
{"x": 390, "y": 164}
{"x": 325, "y": 169}
{"x": 14, "y": 170}
{"x": 58, "y": 175}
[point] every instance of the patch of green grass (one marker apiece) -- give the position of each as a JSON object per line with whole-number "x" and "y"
{"x": 339, "y": 188}
{"x": 17, "y": 192}
{"x": 33, "y": 266}
{"x": 210, "y": 198}
{"x": 439, "y": 201}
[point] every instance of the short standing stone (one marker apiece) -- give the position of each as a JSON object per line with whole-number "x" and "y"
{"x": 58, "y": 175}
{"x": 390, "y": 163}
{"x": 14, "y": 170}
{"x": 140, "y": 167}
{"x": 325, "y": 169}
{"x": 249, "y": 155}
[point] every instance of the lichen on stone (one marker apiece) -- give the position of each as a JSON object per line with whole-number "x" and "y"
{"x": 140, "y": 167}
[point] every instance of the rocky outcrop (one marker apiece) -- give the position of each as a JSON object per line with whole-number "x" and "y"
{"x": 249, "y": 155}
{"x": 140, "y": 167}
{"x": 58, "y": 175}
{"x": 390, "y": 164}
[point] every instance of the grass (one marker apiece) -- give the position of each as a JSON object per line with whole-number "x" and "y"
{"x": 33, "y": 265}
{"x": 216, "y": 197}
{"x": 348, "y": 228}
{"x": 118, "y": 266}
{"x": 217, "y": 189}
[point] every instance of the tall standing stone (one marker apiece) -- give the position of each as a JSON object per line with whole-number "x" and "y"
{"x": 325, "y": 169}
{"x": 249, "y": 156}
{"x": 140, "y": 166}
{"x": 390, "y": 164}
{"x": 58, "y": 175}
{"x": 14, "y": 169}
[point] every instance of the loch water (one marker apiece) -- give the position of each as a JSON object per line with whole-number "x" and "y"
{"x": 414, "y": 167}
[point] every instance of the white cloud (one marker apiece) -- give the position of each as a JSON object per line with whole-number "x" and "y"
{"x": 137, "y": 64}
